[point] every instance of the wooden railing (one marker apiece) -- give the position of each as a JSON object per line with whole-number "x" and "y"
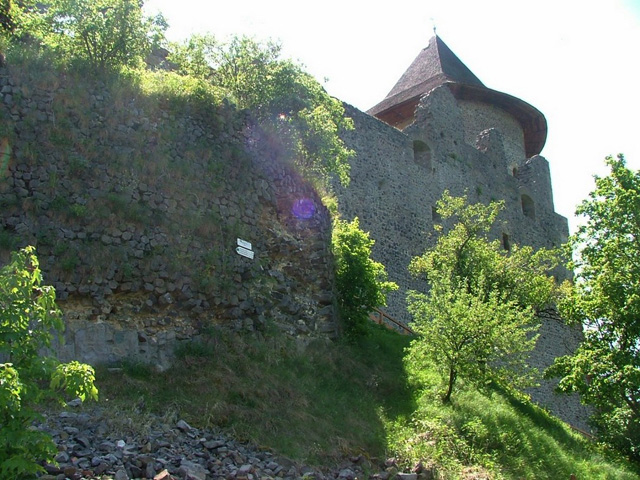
{"x": 391, "y": 323}
{"x": 582, "y": 432}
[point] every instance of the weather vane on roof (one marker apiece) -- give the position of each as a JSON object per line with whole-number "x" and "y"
{"x": 433, "y": 25}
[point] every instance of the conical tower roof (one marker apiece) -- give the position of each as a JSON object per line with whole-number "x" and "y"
{"x": 437, "y": 65}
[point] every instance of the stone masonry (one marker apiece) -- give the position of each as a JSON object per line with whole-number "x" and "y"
{"x": 476, "y": 147}
{"x": 135, "y": 210}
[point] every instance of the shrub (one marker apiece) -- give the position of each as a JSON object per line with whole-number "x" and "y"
{"x": 28, "y": 315}
{"x": 361, "y": 282}
{"x": 104, "y": 34}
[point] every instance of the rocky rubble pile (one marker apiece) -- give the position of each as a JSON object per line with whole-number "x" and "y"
{"x": 161, "y": 449}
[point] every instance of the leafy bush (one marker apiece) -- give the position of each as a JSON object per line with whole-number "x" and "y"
{"x": 28, "y": 315}
{"x": 104, "y": 33}
{"x": 289, "y": 104}
{"x": 605, "y": 300}
{"x": 7, "y": 24}
{"x": 361, "y": 282}
{"x": 176, "y": 90}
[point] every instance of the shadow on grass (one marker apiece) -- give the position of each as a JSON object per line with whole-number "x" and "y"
{"x": 543, "y": 419}
{"x": 527, "y": 442}
{"x": 316, "y": 404}
{"x": 382, "y": 351}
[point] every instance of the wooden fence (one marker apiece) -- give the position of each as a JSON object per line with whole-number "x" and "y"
{"x": 391, "y": 323}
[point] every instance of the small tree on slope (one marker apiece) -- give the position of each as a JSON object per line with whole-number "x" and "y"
{"x": 478, "y": 321}
{"x": 361, "y": 282}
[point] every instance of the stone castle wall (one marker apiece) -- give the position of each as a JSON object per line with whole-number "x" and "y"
{"x": 477, "y": 117}
{"x": 398, "y": 176}
{"x": 394, "y": 187}
{"x": 135, "y": 210}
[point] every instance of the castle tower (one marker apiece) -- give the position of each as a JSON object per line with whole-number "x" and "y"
{"x": 437, "y": 65}
{"x": 440, "y": 128}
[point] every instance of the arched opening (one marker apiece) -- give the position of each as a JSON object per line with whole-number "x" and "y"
{"x": 422, "y": 154}
{"x": 506, "y": 243}
{"x": 528, "y": 207}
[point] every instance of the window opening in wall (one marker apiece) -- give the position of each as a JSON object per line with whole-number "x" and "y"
{"x": 506, "y": 244}
{"x": 528, "y": 207}
{"x": 422, "y": 154}
{"x": 514, "y": 172}
{"x": 435, "y": 216}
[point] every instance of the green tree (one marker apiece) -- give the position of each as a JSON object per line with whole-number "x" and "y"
{"x": 605, "y": 300}
{"x": 7, "y": 23}
{"x": 249, "y": 70}
{"x": 479, "y": 319}
{"x": 289, "y": 105}
{"x": 105, "y": 33}
{"x": 361, "y": 282}
{"x": 28, "y": 315}
{"x": 195, "y": 56}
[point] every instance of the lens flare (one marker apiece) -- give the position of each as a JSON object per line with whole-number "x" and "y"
{"x": 303, "y": 208}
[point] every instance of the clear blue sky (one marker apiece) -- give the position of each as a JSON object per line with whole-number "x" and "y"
{"x": 577, "y": 61}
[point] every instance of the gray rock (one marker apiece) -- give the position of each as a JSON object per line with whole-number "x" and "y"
{"x": 74, "y": 403}
{"x": 121, "y": 474}
{"x": 192, "y": 471}
{"x": 347, "y": 474}
{"x": 183, "y": 426}
{"x": 176, "y": 452}
{"x": 62, "y": 457}
{"x": 213, "y": 444}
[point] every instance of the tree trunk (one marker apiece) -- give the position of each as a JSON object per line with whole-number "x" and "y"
{"x": 452, "y": 381}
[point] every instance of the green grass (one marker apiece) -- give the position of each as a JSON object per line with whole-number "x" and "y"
{"x": 315, "y": 404}
{"x": 503, "y": 434}
{"x": 330, "y": 400}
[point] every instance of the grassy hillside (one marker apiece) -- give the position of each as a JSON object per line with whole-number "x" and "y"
{"x": 329, "y": 401}
{"x": 316, "y": 403}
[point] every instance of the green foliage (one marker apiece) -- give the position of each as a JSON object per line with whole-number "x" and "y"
{"x": 7, "y": 23}
{"x": 28, "y": 316}
{"x": 195, "y": 56}
{"x": 243, "y": 66}
{"x": 335, "y": 394}
{"x": 177, "y": 91}
{"x": 478, "y": 320}
{"x": 605, "y": 300}
{"x": 290, "y": 105}
{"x": 498, "y": 435}
{"x": 76, "y": 379}
{"x": 104, "y": 33}
{"x": 361, "y": 282}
